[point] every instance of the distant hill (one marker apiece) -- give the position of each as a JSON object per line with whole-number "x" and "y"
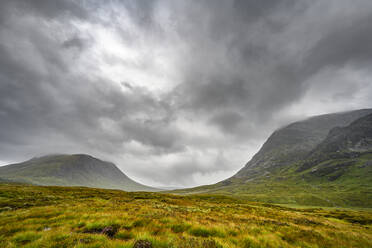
{"x": 71, "y": 170}
{"x": 324, "y": 160}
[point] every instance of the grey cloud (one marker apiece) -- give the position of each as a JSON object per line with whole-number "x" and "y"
{"x": 240, "y": 67}
{"x": 184, "y": 171}
{"x": 38, "y": 104}
{"x": 141, "y": 11}
{"x": 44, "y": 8}
{"x": 270, "y": 78}
{"x": 348, "y": 42}
{"x": 215, "y": 94}
{"x": 75, "y": 42}
{"x": 228, "y": 120}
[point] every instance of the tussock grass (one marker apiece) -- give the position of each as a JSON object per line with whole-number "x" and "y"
{"x": 206, "y": 232}
{"x": 124, "y": 235}
{"x": 25, "y": 237}
{"x": 32, "y": 216}
{"x": 180, "y": 228}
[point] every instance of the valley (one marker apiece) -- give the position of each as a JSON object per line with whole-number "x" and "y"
{"x": 308, "y": 186}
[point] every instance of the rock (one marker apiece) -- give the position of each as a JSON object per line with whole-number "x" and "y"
{"x": 368, "y": 163}
{"x": 109, "y": 231}
{"x": 142, "y": 244}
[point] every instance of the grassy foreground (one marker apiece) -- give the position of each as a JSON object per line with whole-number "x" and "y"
{"x": 33, "y": 216}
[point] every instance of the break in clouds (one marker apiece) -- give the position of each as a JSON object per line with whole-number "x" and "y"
{"x": 174, "y": 92}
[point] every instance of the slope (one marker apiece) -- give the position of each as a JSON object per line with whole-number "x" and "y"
{"x": 293, "y": 142}
{"x": 298, "y": 164}
{"x": 71, "y": 170}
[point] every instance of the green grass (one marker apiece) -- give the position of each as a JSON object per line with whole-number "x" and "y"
{"x": 180, "y": 228}
{"x": 124, "y": 235}
{"x": 35, "y": 216}
{"x": 23, "y": 238}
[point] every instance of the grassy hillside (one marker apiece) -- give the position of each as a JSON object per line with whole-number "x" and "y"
{"x": 288, "y": 170}
{"x": 293, "y": 143}
{"x": 71, "y": 170}
{"x": 334, "y": 182}
{"x": 35, "y": 216}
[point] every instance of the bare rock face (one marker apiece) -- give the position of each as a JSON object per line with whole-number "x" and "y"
{"x": 142, "y": 244}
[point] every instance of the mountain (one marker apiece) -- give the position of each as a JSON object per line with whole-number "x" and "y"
{"x": 323, "y": 160}
{"x": 71, "y": 170}
{"x": 293, "y": 142}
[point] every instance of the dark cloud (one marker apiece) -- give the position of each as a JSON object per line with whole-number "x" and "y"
{"x": 228, "y": 120}
{"x": 44, "y": 8}
{"x": 215, "y": 94}
{"x": 75, "y": 42}
{"x": 141, "y": 11}
{"x": 173, "y": 91}
{"x": 349, "y": 42}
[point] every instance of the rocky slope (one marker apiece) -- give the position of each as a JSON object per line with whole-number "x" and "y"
{"x": 294, "y": 142}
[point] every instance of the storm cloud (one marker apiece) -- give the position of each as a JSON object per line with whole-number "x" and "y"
{"x": 176, "y": 93}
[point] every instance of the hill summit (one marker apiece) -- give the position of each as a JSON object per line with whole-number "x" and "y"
{"x": 71, "y": 170}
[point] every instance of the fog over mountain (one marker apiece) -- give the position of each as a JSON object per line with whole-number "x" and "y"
{"x": 178, "y": 93}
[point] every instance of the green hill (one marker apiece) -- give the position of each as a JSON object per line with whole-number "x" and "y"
{"x": 325, "y": 160}
{"x": 71, "y": 170}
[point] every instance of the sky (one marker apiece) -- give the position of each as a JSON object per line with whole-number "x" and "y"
{"x": 175, "y": 93}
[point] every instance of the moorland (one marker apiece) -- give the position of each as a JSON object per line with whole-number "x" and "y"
{"x": 54, "y": 216}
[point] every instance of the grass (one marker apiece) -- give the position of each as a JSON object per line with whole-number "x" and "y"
{"x": 180, "y": 228}
{"x": 206, "y": 232}
{"x": 35, "y": 216}
{"x": 23, "y": 238}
